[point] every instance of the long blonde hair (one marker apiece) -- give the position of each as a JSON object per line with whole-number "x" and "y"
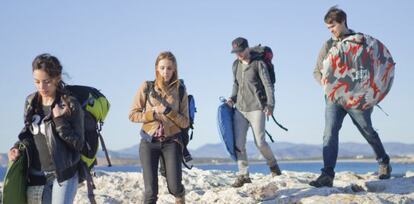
{"x": 174, "y": 79}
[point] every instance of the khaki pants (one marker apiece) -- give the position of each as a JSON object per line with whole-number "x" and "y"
{"x": 257, "y": 121}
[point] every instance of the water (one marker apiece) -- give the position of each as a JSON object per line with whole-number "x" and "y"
{"x": 314, "y": 167}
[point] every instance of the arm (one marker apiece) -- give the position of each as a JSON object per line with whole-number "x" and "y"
{"x": 70, "y": 128}
{"x": 318, "y": 67}
{"x": 267, "y": 84}
{"x": 138, "y": 112}
{"x": 27, "y": 117}
{"x": 25, "y": 136}
{"x": 181, "y": 117}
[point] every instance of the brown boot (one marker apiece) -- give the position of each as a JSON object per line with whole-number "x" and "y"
{"x": 384, "y": 171}
{"x": 241, "y": 180}
{"x": 180, "y": 200}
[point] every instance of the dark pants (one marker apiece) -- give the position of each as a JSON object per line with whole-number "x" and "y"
{"x": 334, "y": 116}
{"x": 150, "y": 154}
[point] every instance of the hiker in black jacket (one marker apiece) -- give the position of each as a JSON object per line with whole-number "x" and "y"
{"x": 54, "y": 133}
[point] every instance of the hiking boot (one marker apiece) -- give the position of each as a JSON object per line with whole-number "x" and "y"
{"x": 384, "y": 171}
{"x": 322, "y": 181}
{"x": 240, "y": 181}
{"x": 180, "y": 200}
{"x": 275, "y": 170}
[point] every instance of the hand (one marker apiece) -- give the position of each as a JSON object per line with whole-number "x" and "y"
{"x": 230, "y": 102}
{"x": 268, "y": 111}
{"x": 60, "y": 109}
{"x": 13, "y": 154}
{"x": 321, "y": 82}
{"x": 160, "y": 109}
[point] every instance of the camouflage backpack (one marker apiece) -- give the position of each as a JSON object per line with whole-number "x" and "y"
{"x": 357, "y": 72}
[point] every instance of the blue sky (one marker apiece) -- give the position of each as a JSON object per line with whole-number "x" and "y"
{"x": 112, "y": 45}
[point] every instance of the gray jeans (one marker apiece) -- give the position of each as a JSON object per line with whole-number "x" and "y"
{"x": 257, "y": 120}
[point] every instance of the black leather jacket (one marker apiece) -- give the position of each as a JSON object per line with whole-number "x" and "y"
{"x": 64, "y": 136}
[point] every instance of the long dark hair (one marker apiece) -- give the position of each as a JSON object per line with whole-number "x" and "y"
{"x": 51, "y": 65}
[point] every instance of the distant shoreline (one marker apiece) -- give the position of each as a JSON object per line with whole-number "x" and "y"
{"x": 221, "y": 161}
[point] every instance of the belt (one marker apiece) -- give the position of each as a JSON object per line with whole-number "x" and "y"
{"x": 165, "y": 139}
{"x": 159, "y": 139}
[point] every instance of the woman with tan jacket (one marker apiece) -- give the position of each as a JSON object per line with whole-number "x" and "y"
{"x": 163, "y": 113}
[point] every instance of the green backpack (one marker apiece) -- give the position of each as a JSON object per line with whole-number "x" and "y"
{"x": 15, "y": 181}
{"x": 96, "y": 107}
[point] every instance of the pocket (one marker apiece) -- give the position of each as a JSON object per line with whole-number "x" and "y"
{"x": 144, "y": 136}
{"x": 34, "y": 194}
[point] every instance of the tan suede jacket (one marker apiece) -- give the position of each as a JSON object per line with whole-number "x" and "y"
{"x": 177, "y": 118}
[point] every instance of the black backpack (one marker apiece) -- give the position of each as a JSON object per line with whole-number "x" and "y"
{"x": 264, "y": 53}
{"x": 96, "y": 107}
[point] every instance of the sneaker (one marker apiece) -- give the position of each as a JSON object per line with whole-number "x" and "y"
{"x": 240, "y": 181}
{"x": 324, "y": 180}
{"x": 384, "y": 171}
{"x": 275, "y": 170}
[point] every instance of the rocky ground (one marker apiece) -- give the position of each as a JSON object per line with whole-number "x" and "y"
{"x": 291, "y": 187}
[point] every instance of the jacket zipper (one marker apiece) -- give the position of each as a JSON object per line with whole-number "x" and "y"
{"x": 48, "y": 137}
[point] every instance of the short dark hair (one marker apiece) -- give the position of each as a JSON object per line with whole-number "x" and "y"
{"x": 335, "y": 14}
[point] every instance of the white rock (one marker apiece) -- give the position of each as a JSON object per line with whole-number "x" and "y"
{"x": 291, "y": 187}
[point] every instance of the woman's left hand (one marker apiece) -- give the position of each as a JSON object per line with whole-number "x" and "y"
{"x": 60, "y": 109}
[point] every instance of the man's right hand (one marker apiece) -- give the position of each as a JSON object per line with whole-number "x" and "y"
{"x": 230, "y": 102}
{"x": 13, "y": 154}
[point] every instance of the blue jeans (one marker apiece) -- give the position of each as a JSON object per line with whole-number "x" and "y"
{"x": 64, "y": 192}
{"x": 334, "y": 116}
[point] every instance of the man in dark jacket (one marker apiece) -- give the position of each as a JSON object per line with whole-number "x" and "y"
{"x": 253, "y": 97}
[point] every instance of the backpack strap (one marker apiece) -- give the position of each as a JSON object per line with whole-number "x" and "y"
{"x": 270, "y": 136}
{"x": 104, "y": 148}
{"x": 181, "y": 89}
{"x": 89, "y": 182}
{"x": 278, "y": 124}
{"x": 235, "y": 67}
{"x": 281, "y": 126}
{"x": 148, "y": 90}
{"x": 382, "y": 109}
{"x": 329, "y": 45}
